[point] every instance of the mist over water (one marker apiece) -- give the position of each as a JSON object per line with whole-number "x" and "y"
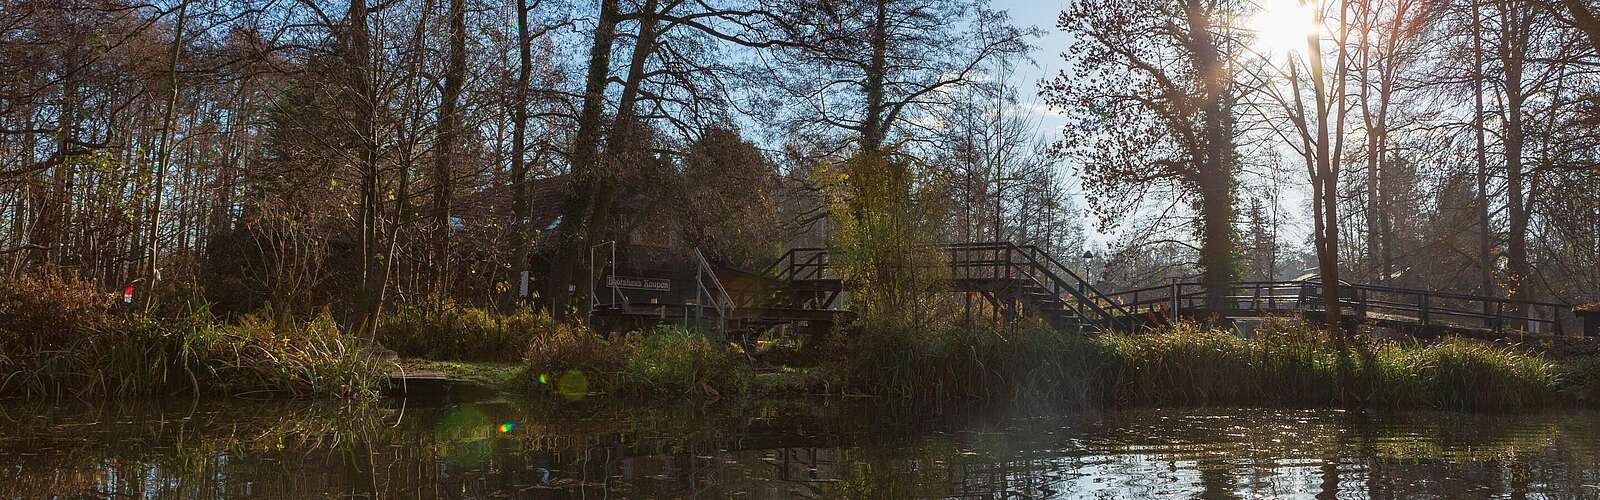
{"x": 804, "y": 449}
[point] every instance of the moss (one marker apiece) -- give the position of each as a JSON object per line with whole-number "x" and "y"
{"x": 510, "y": 376}
{"x": 788, "y": 381}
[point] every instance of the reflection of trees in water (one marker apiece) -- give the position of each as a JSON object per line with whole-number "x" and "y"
{"x": 799, "y": 450}
{"x": 143, "y": 452}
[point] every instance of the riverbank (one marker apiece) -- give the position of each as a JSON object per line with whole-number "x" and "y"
{"x": 1284, "y": 363}
{"x": 62, "y": 339}
{"x": 58, "y": 339}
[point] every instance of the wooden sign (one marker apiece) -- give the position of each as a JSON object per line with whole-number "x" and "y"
{"x": 638, "y": 283}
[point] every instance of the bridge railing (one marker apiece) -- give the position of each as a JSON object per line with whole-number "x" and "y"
{"x": 1424, "y": 307}
{"x": 988, "y": 260}
{"x": 1491, "y": 313}
{"x": 714, "y": 295}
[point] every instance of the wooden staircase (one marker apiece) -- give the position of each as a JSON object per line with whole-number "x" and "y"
{"x": 1015, "y": 280}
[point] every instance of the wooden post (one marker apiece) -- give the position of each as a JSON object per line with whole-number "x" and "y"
{"x": 1175, "y": 294}
{"x": 1008, "y": 261}
{"x": 1361, "y": 296}
{"x": 1499, "y": 315}
{"x": 1422, "y": 305}
{"x": 1555, "y": 317}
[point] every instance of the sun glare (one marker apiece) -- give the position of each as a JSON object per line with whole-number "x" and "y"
{"x": 1281, "y": 27}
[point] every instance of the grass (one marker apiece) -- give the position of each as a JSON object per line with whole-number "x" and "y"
{"x": 1284, "y": 363}
{"x": 665, "y": 362}
{"x": 788, "y": 381}
{"x": 492, "y": 374}
{"x": 1287, "y": 363}
{"x": 59, "y": 337}
{"x": 444, "y": 330}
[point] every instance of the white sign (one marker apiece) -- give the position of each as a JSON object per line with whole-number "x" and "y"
{"x": 637, "y": 283}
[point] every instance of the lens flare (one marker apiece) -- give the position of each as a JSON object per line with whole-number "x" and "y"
{"x": 573, "y": 385}
{"x": 507, "y": 427}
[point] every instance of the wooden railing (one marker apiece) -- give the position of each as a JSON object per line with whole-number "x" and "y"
{"x": 1003, "y": 262}
{"x": 1424, "y": 307}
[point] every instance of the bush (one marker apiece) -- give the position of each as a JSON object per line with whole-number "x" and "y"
{"x": 667, "y": 361}
{"x": 43, "y": 314}
{"x": 985, "y": 363}
{"x": 1580, "y": 379}
{"x": 674, "y": 361}
{"x": 568, "y": 348}
{"x": 77, "y": 348}
{"x": 300, "y": 358}
{"x": 444, "y": 330}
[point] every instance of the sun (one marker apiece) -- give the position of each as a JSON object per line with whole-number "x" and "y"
{"x": 1281, "y": 27}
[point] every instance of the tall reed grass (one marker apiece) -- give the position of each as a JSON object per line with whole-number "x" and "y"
{"x": 664, "y": 362}
{"x": 444, "y": 330}
{"x": 59, "y": 337}
{"x": 1285, "y": 363}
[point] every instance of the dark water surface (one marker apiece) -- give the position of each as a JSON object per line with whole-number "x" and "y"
{"x": 804, "y": 449}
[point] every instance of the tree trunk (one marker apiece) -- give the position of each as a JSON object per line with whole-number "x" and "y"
{"x": 1485, "y": 260}
{"x": 444, "y": 152}
{"x": 522, "y": 236}
{"x": 1513, "y": 44}
{"x": 620, "y": 146}
{"x": 373, "y": 270}
{"x": 575, "y": 205}
{"x": 1584, "y": 19}
{"x": 1215, "y": 171}
{"x": 153, "y": 254}
{"x": 873, "y": 127}
{"x": 1328, "y": 195}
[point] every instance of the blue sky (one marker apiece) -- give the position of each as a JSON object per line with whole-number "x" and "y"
{"x": 1047, "y": 62}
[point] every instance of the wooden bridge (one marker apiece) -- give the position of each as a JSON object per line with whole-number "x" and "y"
{"x": 1013, "y": 280}
{"x": 1415, "y": 311}
{"x": 804, "y": 290}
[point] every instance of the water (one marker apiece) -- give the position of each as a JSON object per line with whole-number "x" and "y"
{"x": 804, "y": 449}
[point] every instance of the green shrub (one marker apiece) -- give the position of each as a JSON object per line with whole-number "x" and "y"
{"x": 667, "y": 361}
{"x": 1458, "y": 373}
{"x": 987, "y": 363}
{"x": 1580, "y": 379}
{"x": 567, "y": 349}
{"x": 674, "y": 361}
{"x": 444, "y": 330}
{"x": 299, "y": 358}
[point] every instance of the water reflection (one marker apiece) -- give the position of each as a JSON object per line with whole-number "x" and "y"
{"x": 807, "y": 449}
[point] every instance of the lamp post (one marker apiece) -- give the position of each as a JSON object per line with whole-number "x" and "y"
{"x": 1087, "y": 256}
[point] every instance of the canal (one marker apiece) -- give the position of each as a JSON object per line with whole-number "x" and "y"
{"x": 783, "y": 449}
